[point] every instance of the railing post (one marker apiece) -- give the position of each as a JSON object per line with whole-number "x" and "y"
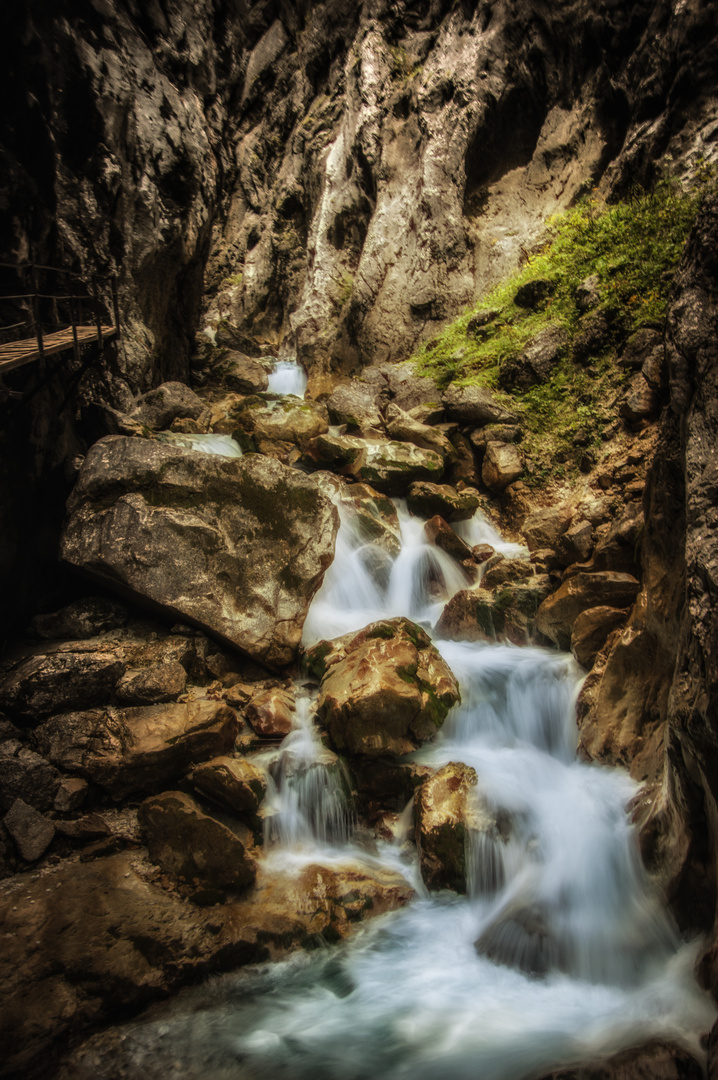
{"x": 76, "y": 344}
{"x": 98, "y": 322}
{"x": 36, "y": 318}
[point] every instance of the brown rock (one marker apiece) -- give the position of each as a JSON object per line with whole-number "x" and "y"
{"x": 559, "y": 611}
{"x": 399, "y": 425}
{"x": 279, "y": 418}
{"x": 270, "y": 712}
{"x": 444, "y": 537}
{"x": 391, "y": 467}
{"x": 355, "y": 405}
{"x": 53, "y": 682}
{"x": 576, "y": 544}
{"x": 475, "y": 405}
{"x": 159, "y": 407}
{"x": 71, "y": 794}
{"x": 506, "y": 614}
{"x": 240, "y": 374}
{"x": 590, "y": 631}
{"x": 31, "y": 832}
{"x": 231, "y": 782}
{"x": 641, "y": 401}
{"x": 429, "y": 499}
{"x": 508, "y": 572}
{"x": 188, "y": 843}
{"x": 132, "y": 750}
{"x": 152, "y": 685}
{"x": 503, "y": 463}
{"x": 82, "y": 619}
{"x": 542, "y": 528}
{"x": 389, "y": 692}
{"x": 27, "y": 776}
{"x": 655, "y": 1061}
{"x": 446, "y": 806}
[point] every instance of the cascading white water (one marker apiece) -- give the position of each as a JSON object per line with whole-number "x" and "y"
{"x": 560, "y": 954}
{"x": 287, "y": 377}
{"x": 220, "y": 445}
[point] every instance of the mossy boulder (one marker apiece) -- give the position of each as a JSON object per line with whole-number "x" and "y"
{"x": 386, "y": 690}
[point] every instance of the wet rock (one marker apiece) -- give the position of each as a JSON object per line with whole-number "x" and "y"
{"x": 279, "y": 418}
{"x": 445, "y": 808}
{"x": 373, "y": 514}
{"x": 444, "y": 537}
{"x": 503, "y": 463}
{"x": 271, "y": 713}
{"x": 408, "y": 390}
{"x": 542, "y": 528}
{"x": 391, "y": 467}
{"x": 605, "y": 588}
{"x": 234, "y": 783}
{"x": 188, "y": 843}
{"x": 507, "y": 572}
{"x": 389, "y": 692}
{"x": 137, "y": 750}
{"x": 153, "y": 685}
{"x": 82, "y": 619}
{"x": 590, "y": 631}
{"x": 188, "y": 531}
{"x": 27, "y": 776}
{"x": 240, "y": 374}
{"x": 355, "y": 405}
{"x": 482, "y": 552}
{"x": 536, "y": 363}
{"x": 522, "y": 937}
{"x": 159, "y": 407}
{"x": 31, "y": 832}
{"x": 54, "y": 682}
{"x": 534, "y": 294}
{"x": 507, "y": 614}
{"x": 399, "y": 425}
{"x": 475, "y": 405}
{"x": 427, "y": 500}
{"x": 655, "y": 1061}
{"x": 334, "y": 452}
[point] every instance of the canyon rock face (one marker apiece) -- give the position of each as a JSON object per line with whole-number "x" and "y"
{"x": 237, "y": 546}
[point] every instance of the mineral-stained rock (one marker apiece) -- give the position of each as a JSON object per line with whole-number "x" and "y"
{"x": 281, "y": 418}
{"x": 430, "y": 499}
{"x": 159, "y": 407}
{"x": 475, "y": 405}
{"x": 53, "y": 682}
{"x": 232, "y": 782}
{"x": 505, "y": 614}
{"x": 81, "y": 619}
{"x": 270, "y": 712}
{"x": 389, "y": 692}
{"x": 503, "y": 463}
{"x": 188, "y": 843}
{"x": 133, "y": 750}
{"x": 559, "y": 611}
{"x": 238, "y": 546}
{"x": 446, "y": 806}
{"x": 590, "y": 631}
{"x": 32, "y": 832}
{"x": 151, "y": 686}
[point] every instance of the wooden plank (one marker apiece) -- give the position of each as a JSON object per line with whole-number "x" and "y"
{"x": 14, "y": 354}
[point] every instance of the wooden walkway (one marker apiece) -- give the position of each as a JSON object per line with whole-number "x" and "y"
{"x": 15, "y": 354}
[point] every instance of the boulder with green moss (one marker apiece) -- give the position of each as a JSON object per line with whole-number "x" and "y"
{"x": 237, "y": 546}
{"x": 386, "y": 690}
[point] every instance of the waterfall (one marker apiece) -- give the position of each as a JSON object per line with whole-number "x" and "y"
{"x": 221, "y": 445}
{"x": 561, "y": 953}
{"x": 287, "y": 377}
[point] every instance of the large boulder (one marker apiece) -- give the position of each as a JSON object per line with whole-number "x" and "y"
{"x": 137, "y": 750}
{"x": 446, "y": 807}
{"x": 452, "y": 505}
{"x": 238, "y": 546}
{"x": 26, "y": 775}
{"x": 55, "y": 682}
{"x": 559, "y": 612}
{"x": 542, "y": 528}
{"x": 280, "y": 418}
{"x": 386, "y": 691}
{"x": 503, "y": 463}
{"x": 234, "y": 783}
{"x": 357, "y": 406}
{"x": 240, "y": 374}
{"x": 475, "y": 405}
{"x": 188, "y": 843}
{"x": 505, "y": 614}
{"x": 591, "y": 630}
{"x": 391, "y": 467}
{"x": 401, "y": 426}
{"x": 171, "y": 401}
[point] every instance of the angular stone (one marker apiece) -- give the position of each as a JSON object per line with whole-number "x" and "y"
{"x": 507, "y": 614}
{"x": 270, "y": 712}
{"x": 355, "y": 405}
{"x": 189, "y": 532}
{"x": 427, "y": 500}
{"x": 32, "y": 832}
{"x": 641, "y": 400}
{"x": 639, "y": 347}
{"x": 503, "y": 463}
{"x": 475, "y": 405}
{"x": 54, "y": 682}
{"x": 188, "y": 843}
{"x": 508, "y": 572}
{"x": 27, "y": 776}
{"x": 503, "y": 433}
{"x": 444, "y": 537}
{"x": 82, "y": 619}
{"x": 137, "y": 750}
{"x": 588, "y": 293}
{"x": 576, "y": 544}
{"x": 559, "y": 611}
{"x": 231, "y": 782}
{"x": 151, "y": 686}
{"x": 389, "y": 692}
{"x": 159, "y": 407}
{"x": 71, "y": 794}
{"x": 590, "y": 632}
{"x": 536, "y": 363}
{"x": 595, "y": 334}
{"x": 334, "y": 452}
{"x": 372, "y": 514}
{"x": 399, "y": 425}
{"x": 445, "y": 808}
{"x": 391, "y": 467}
{"x": 240, "y": 374}
{"x": 534, "y": 294}
{"x": 542, "y": 528}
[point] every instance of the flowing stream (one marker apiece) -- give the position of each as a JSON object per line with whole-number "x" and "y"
{"x": 561, "y": 952}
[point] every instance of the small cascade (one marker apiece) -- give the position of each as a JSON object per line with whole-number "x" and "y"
{"x": 221, "y": 445}
{"x": 479, "y": 530}
{"x": 287, "y": 377}
{"x": 309, "y": 806}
